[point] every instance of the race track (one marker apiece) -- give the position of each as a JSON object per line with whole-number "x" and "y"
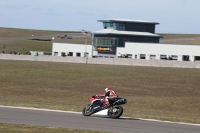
{"x": 75, "y": 120}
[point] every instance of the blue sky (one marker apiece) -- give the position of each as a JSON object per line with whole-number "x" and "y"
{"x": 174, "y": 16}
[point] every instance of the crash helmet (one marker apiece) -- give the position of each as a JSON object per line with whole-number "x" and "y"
{"x": 107, "y": 89}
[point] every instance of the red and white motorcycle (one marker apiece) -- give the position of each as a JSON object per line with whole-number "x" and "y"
{"x": 97, "y": 103}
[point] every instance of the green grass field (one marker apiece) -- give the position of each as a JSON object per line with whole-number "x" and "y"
{"x": 159, "y": 93}
{"x": 14, "y": 128}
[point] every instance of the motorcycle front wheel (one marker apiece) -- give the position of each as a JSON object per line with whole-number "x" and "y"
{"x": 115, "y": 112}
{"x": 88, "y": 110}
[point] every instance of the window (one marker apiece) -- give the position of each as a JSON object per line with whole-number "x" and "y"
{"x": 109, "y": 25}
{"x": 86, "y": 54}
{"x": 122, "y": 26}
{"x": 63, "y": 54}
{"x": 105, "y": 42}
{"x": 152, "y": 56}
{"x": 121, "y": 43}
{"x": 142, "y": 56}
{"x": 186, "y": 57}
{"x": 163, "y": 57}
{"x": 78, "y": 54}
{"x": 174, "y": 57}
{"x": 197, "y": 58}
{"x": 55, "y": 53}
{"x": 70, "y": 54}
{"x": 129, "y": 55}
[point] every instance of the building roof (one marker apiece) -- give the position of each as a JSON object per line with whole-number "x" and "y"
{"x": 116, "y": 32}
{"x": 127, "y": 21}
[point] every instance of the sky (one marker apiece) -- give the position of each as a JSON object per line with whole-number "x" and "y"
{"x": 174, "y": 16}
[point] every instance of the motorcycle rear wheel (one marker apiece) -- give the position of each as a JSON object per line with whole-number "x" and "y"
{"x": 116, "y": 112}
{"x": 88, "y": 110}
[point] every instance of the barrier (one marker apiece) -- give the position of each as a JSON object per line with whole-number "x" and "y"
{"x": 108, "y": 61}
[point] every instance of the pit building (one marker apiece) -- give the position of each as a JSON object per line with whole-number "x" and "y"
{"x": 124, "y": 38}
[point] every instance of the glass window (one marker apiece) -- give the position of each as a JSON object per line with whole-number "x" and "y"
{"x": 55, "y": 53}
{"x": 142, "y": 56}
{"x": 121, "y": 42}
{"x": 174, "y": 57}
{"x": 152, "y": 56}
{"x": 109, "y": 25}
{"x": 122, "y": 26}
{"x": 105, "y": 41}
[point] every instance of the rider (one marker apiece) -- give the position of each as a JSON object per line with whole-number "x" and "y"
{"x": 109, "y": 94}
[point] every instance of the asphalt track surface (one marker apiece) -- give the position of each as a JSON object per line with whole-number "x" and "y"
{"x": 67, "y": 119}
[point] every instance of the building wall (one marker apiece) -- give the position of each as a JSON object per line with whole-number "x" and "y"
{"x": 137, "y": 50}
{"x": 148, "y": 49}
{"x": 140, "y": 27}
{"x": 74, "y": 48}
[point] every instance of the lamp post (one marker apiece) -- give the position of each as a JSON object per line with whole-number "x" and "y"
{"x": 92, "y": 43}
{"x": 85, "y": 45}
{"x": 86, "y": 55}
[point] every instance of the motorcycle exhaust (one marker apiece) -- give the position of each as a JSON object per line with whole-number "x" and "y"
{"x": 120, "y": 101}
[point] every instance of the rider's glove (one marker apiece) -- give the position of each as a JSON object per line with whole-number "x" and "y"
{"x": 96, "y": 96}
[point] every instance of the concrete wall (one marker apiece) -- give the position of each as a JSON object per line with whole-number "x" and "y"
{"x": 109, "y": 61}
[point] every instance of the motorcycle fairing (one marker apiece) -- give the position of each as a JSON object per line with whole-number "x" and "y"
{"x": 97, "y": 105}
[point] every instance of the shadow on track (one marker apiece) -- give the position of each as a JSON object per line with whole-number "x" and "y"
{"x": 121, "y": 118}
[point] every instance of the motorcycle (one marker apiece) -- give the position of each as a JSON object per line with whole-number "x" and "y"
{"x": 97, "y": 103}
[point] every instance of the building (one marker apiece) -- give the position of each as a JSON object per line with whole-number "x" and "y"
{"x": 152, "y": 51}
{"x": 115, "y": 33}
{"x": 118, "y": 31}
{"x": 124, "y": 38}
{"x": 76, "y": 50}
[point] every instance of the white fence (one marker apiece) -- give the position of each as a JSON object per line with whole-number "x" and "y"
{"x": 109, "y": 61}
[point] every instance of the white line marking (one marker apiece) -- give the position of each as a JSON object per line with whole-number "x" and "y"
{"x": 40, "y": 109}
{"x": 164, "y": 121}
{"x": 81, "y": 113}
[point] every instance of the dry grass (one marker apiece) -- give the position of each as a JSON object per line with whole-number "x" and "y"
{"x": 175, "y": 36}
{"x": 14, "y": 128}
{"x": 24, "y": 46}
{"x": 159, "y": 93}
{"x": 181, "y": 39}
{"x": 189, "y": 41}
{"x": 15, "y": 32}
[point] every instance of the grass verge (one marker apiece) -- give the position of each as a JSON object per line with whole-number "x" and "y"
{"x": 20, "y": 128}
{"x": 158, "y": 93}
